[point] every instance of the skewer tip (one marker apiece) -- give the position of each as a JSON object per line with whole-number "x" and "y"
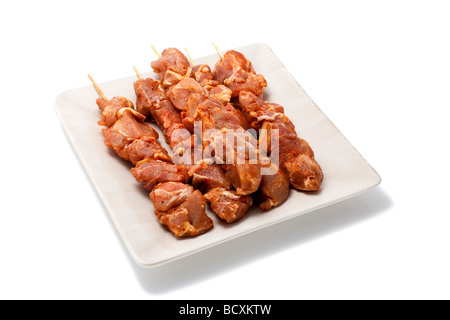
{"x": 100, "y": 92}
{"x": 156, "y": 51}
{"x": 191, "y": 61}
{"x": 137, "y": 73}
{"x": 218, "y": 50}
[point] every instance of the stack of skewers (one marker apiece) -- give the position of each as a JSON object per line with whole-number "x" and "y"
{"x": 197, "y": 108}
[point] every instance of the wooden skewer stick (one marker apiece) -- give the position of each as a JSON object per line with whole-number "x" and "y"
{"x": 218, "y": 51}
{"x": 156, "y": 51}
{"x": 191, "y": 61}
{"x": 137, "y": 73}
{"x": 100, "y": 92}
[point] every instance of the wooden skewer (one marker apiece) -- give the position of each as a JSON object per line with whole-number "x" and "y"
{"x": 218, "y": 51}
{"x": 191, "y": 61}
{"x": 137, "y": 73}
{"x": 100, "y": 92}
{"x": 156, "y": 51}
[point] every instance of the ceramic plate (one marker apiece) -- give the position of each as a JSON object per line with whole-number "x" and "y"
{"x": 346, "y": 172}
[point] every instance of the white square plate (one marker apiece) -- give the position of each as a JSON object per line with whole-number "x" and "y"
{"x": 346, "y": 172}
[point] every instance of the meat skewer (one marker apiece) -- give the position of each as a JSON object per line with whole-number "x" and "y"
{"x": 296, "y": 156}
{"x": 208, "y": 178}
{"x": 274, "y": 187}
{"x": 203, "y": 77}
{"x": 177, "y": 205}
{"x": 177, "y": 68}
{"x": 237, "y": 73}
{"x": 188, "y": 95}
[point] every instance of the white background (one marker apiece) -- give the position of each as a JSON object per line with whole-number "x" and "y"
{"x": 379, "y": 69}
